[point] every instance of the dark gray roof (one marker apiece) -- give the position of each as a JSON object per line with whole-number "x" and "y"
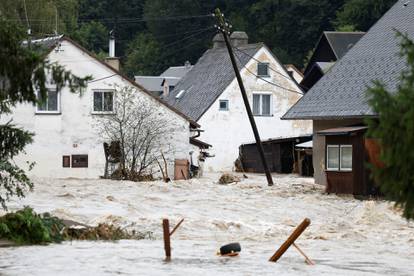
{"x": 341, "y": 93}
{"x": 341, "y": 42}
{"x": 205, "y": 82}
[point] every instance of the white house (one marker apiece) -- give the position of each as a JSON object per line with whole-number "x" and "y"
{"x": 210, "y": 95}
{"x": 66, "y": 144}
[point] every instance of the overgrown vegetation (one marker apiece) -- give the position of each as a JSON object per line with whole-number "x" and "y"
{"x": 396, "y": 123}
{"x": 27, "y": 227}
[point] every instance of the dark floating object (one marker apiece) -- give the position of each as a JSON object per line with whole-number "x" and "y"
{"x": 231, "y": 249}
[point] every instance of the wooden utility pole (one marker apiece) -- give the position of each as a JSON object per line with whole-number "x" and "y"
{"x": 224, "y": 29}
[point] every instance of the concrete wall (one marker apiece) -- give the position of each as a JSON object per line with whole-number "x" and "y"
{"x": 227, "y": 130}
{"x": 319, "y": 145}
{"x": 72, "y": 131}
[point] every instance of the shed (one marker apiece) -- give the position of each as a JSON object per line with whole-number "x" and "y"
{"x": 280, "y": 155}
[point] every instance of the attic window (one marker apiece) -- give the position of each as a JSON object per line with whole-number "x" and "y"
{"x": 263, "y": 69}
{"x": 180, "y": 94}
{"x": 224, "y": 105}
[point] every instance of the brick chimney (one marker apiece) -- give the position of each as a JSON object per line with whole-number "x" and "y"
{"x": 112, "y": 60}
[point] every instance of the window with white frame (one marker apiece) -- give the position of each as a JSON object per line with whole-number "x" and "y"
{"x": 103, "y": 101}
{"x": 346, "y": 158}
{"x": 263, "y": 69}
{"x": 339, "y": 157}
{"x": 223, "y": 105}
{"x": 262, "y": 104}
{"x": 49, "y": 105}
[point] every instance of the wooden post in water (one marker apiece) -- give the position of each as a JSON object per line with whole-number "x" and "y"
{"x": 167, "y": 240}
{"x": 167, "y": 236}
{"x": 292, "y": 238}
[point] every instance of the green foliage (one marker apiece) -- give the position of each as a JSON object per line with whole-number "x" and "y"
{"x": 395, "y": 131}
{"x": 24, "y": 227}
{"x": 361, "y": 14}
{"x": 143, "y": 56}
{"x": 93, "y": 36}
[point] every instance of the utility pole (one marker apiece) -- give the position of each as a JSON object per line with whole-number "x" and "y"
{"x": 224, "y": 28}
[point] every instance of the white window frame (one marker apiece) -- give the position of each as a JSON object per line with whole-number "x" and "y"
{"x": 339, "y": 148}
{"x": 340, "y": 158}
{"x": 261, "y": 104}
{"x": 93, "y": 101}
{"x": 327, "y": 158}
{"x": 263, "y": 76}
{"x": 38, "y": 111}
{"x": 227, "y": 105}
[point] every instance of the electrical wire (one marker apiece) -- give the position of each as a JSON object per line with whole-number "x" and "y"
{"x": 107, "y": 77}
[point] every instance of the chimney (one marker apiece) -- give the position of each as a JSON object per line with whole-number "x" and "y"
{"x": 218, "y": 41}
{"x": 239, "y": 39}
{"x": 112, "y": 60}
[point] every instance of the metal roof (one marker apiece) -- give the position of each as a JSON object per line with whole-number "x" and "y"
{"x": 209, "y": 77}
{"x": 341, "y": 93}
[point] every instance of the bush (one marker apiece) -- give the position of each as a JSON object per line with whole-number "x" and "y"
{"x": 27, "y": 227}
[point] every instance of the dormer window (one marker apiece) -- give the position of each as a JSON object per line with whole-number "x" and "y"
{"x": 50, "y": 105}
{"x": 263, "y": 69}
{"x": 103, "y": 101}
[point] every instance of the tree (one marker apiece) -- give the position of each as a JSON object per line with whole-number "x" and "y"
{"x": 143, "y": 132}
{"x": 23, "y": 75}
{"x": 360, "y": 15}
{"x": 143, "y": 56}
{"x": 395, "y": 130}
{"x": 93, "y": 36}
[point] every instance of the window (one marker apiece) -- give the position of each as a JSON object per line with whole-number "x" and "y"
{"x": 80, "y": 161}
{"x": 49, "y": 105}
{"x": 339, "y": 157}
{"x": 66, "y": 161}
{"x": 224, "y": 105}
{"x": 103, "y": 101}
{"x": 346, "y": 158}
{"x": 333, "y": 157}
{"x": 263, "y": 69}
{"x": 262, "y": 104}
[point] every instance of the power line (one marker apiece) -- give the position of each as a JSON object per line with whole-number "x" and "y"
{"x": 125, "y": 19}
{"x": 107, "y": 77}
{"x": 269, "y": 82}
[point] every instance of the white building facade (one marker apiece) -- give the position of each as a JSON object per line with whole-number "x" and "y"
{"x": 66, "y": 141}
